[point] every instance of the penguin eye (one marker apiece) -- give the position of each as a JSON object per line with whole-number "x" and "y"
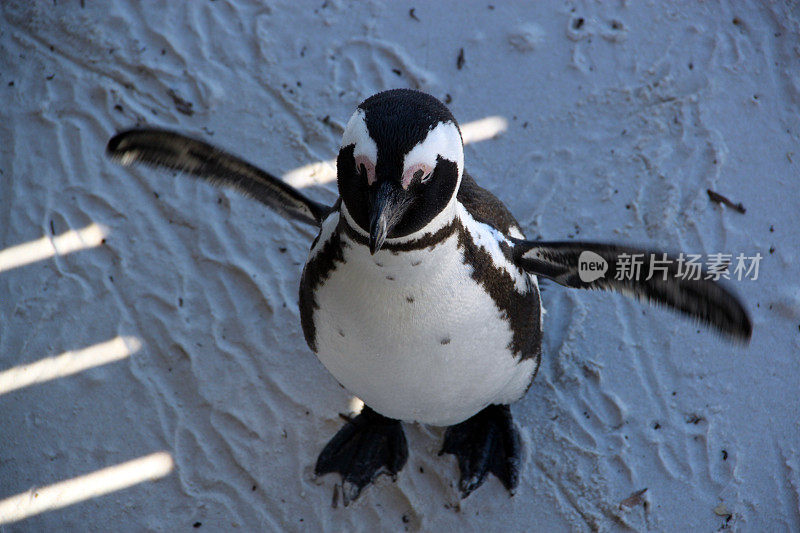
{"x": 365, "y": 169}
{"x": 418, "y": 172}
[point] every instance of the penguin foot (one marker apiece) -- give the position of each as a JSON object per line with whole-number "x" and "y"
{"x": 487, "y": 442}
{"x": 367, "y": 446}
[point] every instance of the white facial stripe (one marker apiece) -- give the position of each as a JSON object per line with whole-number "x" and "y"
{"x": 356, "y": 133}
{"x": 443, "y": 140}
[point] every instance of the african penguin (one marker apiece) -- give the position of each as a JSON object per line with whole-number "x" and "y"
{"x": 420, "y": 292}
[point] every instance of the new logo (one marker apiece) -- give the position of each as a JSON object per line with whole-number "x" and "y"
{"x": 591, "y": 266}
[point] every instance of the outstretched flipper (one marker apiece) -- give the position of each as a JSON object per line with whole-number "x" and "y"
{"x": 703, "y": 299}
{"x": 367, "y": 446}
{"x": 162, "y": 148}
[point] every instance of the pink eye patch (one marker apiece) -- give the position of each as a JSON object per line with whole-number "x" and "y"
{"x": 416, "y": 172}
{"x": 365, "y": 168}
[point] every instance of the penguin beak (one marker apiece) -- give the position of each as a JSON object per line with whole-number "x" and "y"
{"x": 388, "y": 204}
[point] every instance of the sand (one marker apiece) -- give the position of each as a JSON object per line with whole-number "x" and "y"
{"x": 153, "y": 374}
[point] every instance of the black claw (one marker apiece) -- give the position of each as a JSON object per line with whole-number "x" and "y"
{"x": 487, "y": 442}
{"x": 367, "y": 446}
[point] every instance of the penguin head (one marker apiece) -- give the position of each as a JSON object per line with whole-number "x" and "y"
{"x": 400, "y": 164}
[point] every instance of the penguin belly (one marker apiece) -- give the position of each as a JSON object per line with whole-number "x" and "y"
{"x": 415, "y": 337}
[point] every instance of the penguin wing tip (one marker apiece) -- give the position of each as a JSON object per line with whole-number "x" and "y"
{"x": 116, "y": 148}
{"x": 745, "y": 331}
{"x": 113, "y": 144}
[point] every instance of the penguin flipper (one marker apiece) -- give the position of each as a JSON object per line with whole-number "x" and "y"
{"x": 705, "y": 300}
{"x": 163, "y": 148}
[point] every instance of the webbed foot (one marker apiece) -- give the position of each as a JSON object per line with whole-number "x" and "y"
{"x": 368, "y": 445}
{"x": 487, "y": 442}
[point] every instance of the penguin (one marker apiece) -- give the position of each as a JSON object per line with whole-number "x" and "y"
{"x": 420, "y": 293}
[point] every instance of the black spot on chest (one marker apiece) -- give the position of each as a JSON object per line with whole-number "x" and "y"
{"x": 521, "y": 310}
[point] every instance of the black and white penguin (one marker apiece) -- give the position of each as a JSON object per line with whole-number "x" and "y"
{"x": 420, "y": 292}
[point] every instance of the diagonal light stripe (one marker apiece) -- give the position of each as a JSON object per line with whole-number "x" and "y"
{"x": 313, "y": 174}
{"x": 325, "y": 171}
{"x": 68, "y": 363}
{"x": 46, "y": 247}
{"x": 356, "y": 404}
{"x": 483, "y": 129}
{"x": 75, "y": 490}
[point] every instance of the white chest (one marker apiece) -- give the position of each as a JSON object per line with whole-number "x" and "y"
{"x": 414, "y": 336}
